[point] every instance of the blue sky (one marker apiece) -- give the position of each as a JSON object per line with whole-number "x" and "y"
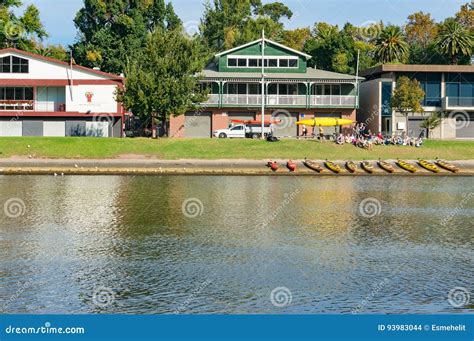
{"x": 57, "y": 15}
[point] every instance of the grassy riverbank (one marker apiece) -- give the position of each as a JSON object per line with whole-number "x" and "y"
{"x": 171, "y": 149}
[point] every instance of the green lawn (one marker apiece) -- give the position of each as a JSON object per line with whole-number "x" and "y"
{"x": 93, "y": 148}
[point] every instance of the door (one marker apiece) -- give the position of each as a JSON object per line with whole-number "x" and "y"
{"x": 287, "y": 126}
{"x": 54, "y": 128}
{"x": 197, "y": 125}
{"x": 386, "y": 125}
{"x": 237, "y": 131}
{"x": 11, "y": 128}
{"x": 98, "y": 129}
{"x": 465, "y": 126}
{"x": 414, "y": 129}
{"x": 32, "y": 128}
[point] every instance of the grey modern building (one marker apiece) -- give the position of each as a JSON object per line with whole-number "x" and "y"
{"x": 448, "y": 89}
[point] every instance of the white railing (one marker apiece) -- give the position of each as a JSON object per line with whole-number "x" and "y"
{"x": 299, "y": 100}
{"x": 14, "y": 105}
{"x": 213, "y": 99}
{"x": 241, "y": 99}
{"x": 284, "y": 100}
{"x": 326, "y": 100}
{"x": 458, "y": 102}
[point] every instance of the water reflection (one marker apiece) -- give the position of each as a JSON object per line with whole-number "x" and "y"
{"x": 128, "y": 234}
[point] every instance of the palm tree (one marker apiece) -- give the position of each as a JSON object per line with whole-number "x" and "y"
{"x": 454, "y": 40}
{"x": 431, "y": 122}
{"x": 390, "y": 45}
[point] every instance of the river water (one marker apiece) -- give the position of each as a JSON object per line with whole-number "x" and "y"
{"x": 238, "y": 245}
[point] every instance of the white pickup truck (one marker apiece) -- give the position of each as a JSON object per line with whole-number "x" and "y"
{"x": 253, "y": 131}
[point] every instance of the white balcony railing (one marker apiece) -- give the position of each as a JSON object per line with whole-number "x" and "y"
{"x": 27, "y": 105}
{"x": 458, "y": 102}
{"x": 326, "y": 100}
{"x": 241, "y": 99}
{"x": 290, "y": 100}
{"x": 283, "y": 100}
{"x": 213, "y": 99}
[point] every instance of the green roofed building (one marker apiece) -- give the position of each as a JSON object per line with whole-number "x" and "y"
{"x": 292, "y": 91}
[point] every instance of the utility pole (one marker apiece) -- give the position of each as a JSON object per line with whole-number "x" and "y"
{"x": 263, "y": 84}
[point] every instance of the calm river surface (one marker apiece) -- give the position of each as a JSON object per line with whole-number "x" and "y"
{"x": 321, "y": 245}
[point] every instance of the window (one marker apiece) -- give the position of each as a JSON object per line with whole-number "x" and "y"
{"x": 273, "y": 63}
{"x": 238, "y": 128}
{"x": 335, "y": 90}
{"x": 254, "y": 62}
{"x": 14, "y": 98}
{"x": 13, "y": 64}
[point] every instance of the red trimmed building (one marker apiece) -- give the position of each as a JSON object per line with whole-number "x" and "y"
{"x": 41, "y": 96}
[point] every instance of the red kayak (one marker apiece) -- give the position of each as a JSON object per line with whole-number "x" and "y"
{"x": 256, "y": 122}
{"x": 291, "y": 165}
{"x": 273, "y": 165}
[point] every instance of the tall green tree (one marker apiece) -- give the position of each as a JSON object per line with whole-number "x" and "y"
{"x": 390, "y": 46}
{"x": 20, "y": 31}
{"x": 336, "y": 50}
{"x": 407, "y": 97}
{"x": 421, "y": 31}
{"x": 465, "y": 16}
{"x": 455, "y": 41}
{"x": 229, "y": 23}
{"x": 110, "y": 32}
{"x": 163, "y": 82}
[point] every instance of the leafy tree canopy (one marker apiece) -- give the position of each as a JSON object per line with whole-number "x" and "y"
{"x": 110, "y": 32}
{"x": 20, "y": 31}
{"x": 164, "y": 81}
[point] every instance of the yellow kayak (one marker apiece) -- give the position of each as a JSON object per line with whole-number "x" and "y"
{"x": 325, "y": 122}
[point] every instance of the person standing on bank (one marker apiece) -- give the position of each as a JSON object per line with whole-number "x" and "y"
{"x": 304, "y": 131}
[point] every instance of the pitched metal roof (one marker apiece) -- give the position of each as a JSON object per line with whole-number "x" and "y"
{"x": 307, "y": 56}
{"x": 211, "y": 71}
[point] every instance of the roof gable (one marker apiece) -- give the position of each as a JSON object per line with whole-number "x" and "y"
{"x": 61, "y": 63}
{"x": 268, "y": 43}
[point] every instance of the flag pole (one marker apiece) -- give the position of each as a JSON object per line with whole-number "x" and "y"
{"x": 263, "y": 83}
{"x": 72, "y": 77}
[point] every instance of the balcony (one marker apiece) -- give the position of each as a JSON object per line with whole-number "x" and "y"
{"x": 458, "y": 103}
{"x": 28, "y": 105}
{"x": 312, "y": 101}
{"x": 333, "y": 101}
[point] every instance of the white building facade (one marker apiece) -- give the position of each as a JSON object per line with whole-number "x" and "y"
{"x": 41, "y": 96}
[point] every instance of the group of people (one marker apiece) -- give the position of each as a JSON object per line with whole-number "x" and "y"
{"x": 363, "y": 137}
